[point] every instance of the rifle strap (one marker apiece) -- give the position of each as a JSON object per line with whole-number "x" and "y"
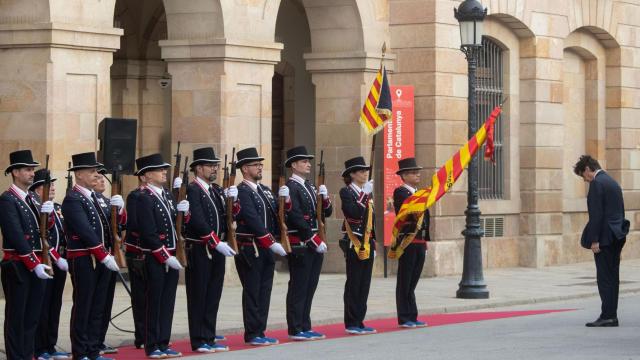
{"x": 396, "y": 250}
{"x": 363, "y": 253}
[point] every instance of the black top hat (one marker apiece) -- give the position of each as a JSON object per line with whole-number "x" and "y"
{"x": 407, "y": 164}
{"x": 102, "y": 171}
{"x": 39, "y": 178}
{"x": 19, "y": 159}
{"x": 247, "y": 155}
{"x": 204, "y": 156}
{"x": 84, "y": 161}
{"x": 295, "y": 154}
{"x": 354, "y": 164}
{"x": 150, "y": 162}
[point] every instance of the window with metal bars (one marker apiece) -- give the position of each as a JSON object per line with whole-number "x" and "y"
{"x": 489, "y": 93}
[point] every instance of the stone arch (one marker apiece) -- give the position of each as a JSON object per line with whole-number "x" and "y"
{"x": 193, "y": 20}
{"x": 600, "y": 23}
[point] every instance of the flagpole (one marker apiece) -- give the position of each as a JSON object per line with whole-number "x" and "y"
{"x": 373, "y": 140}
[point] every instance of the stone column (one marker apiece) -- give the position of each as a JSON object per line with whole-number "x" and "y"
{"x": 342, "y": 82}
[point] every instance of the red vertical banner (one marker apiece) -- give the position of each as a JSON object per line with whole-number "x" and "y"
{"x": 398, "y": 144}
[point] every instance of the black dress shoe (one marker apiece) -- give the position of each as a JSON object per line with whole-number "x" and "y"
{"x": 603, "y": 323}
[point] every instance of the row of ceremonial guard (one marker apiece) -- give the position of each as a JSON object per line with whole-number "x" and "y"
{"x": 81, "y": 243}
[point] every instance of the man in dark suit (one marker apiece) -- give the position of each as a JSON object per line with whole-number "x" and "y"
{"x": 604, "y": 234}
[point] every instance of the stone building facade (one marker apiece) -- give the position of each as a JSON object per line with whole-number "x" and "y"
{"x": 277, "y": 73}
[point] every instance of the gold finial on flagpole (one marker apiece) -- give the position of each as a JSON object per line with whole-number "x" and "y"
{"x": 384, "y": 52}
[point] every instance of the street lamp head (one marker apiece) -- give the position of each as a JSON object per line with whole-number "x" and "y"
{"x": 470, "y": 14}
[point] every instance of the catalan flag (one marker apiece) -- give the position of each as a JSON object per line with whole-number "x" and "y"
{"x": 377, "y": 107}
{"x": 443, "y": 180}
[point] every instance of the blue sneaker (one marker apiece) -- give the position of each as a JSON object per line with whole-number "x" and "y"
{"x": 367, "y": 330}
{"x": 271, "y": 341}
{"x": 220, "y": 338}
{"x": 156, "y": 354}
{"x": 103, "y": 358}
{"x": 170, "y": 353}
{"x": 60, "y": 355}
{"x": 420, "y": 324}
{"x": 353, "y": 330}
{"x": 301, "y": 336}
{"x": 219, "y": 347}
{"x": 408, "y": 325}
{"x": 44, "y": 356}
{"x": 204, "y": 349}
{"x": 258, "y": 341}
{"x": 315, "y": 335}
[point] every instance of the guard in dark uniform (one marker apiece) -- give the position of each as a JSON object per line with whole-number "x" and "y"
{"x": 206, "y": 250}
{"x": 90, "y": 263}
{"x": 23, "y": 275}
{"x": 411, "y": 261}
{"x": 256, "y": 232}
{"x": 358, "y": 243}
{"x": 47, "y": 333}
{"x": 156, "y": 213}
{"x": 305, "y": 262}
{"x": 135, "y": 263}
{"x": 108, "y": 277}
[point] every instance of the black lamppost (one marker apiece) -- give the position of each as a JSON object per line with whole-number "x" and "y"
{"x": 470, "y": 15}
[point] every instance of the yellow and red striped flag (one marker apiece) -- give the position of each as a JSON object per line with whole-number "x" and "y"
{"x": 447, "y": 175}
{"x": 377, "y": 106}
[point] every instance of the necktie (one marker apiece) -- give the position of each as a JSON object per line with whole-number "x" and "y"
{"x": 32, "y": 204}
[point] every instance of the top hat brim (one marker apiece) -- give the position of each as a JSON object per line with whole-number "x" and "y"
{"x": 290, "y": 160}
{"x": 38, "y": 183}
{"x": 353, "y": 168}
{"x": 204, "y": 161}
{"x": 408, "y": 169}
{"x": 89, "y": 166}
{"x": 151, "y": 167}
{"x": 239, "y": 163}
{"x": 20, "y": 165}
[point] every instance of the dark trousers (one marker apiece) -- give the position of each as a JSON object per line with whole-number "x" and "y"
{"x": 89, "y": 299}
{"x": 410, "y": 267}
{"x": 204, "y": 278}
{"x": 47, "y": 333}
{"x": 162, "y": 283}
{"x": 304, "y": 273}
{"x": 356, "y": 288}
{"x": 23, "y": 292}
{"x": 110, "y": 278}
{"x": 608, "y": 275}
{"x": 256, "y": 276}
{"x": 137, "y": 276}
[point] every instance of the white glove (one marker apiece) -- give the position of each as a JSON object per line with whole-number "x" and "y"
{"x": 62, "y": 264}
{"x": 225, "y": 249}
{"x": 278, "y": 249}
{"x": 284, "y": 192}
{"x": 177, "y": 182}
{"x": 47, "y": 207}
{"x": 110, "y": 263}
{"x": 41, "y": 271}
{"x": 116, "y": 200}
{"x": 173, "y": 263}
{"x": 231, "y": 192}
{"x": 322, "y": 190}
{"x": 368, "y": 187}
{"x": 374, "y": 254}
{"x": 322, "y": 248}
{"x": 183, "y": 206}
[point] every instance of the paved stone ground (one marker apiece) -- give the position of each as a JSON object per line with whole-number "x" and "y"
{"x": 508, "y": 287}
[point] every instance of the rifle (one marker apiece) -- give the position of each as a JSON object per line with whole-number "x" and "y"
{"x": 117, "y": 240}
{"x": 44, "y": 219}
{"x": 284, "y": 237}
{"x": 182, "y": 195}
{"x": 228, "y": 180}
{"x": 69, "y": 179}
{"x": 176, "y": 173}
{"x": 320, "y": 201}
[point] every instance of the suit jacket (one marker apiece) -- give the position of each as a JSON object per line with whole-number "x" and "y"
{"x": 207, "y": 222}
{"x": 258, "y": 216}
{"x": 606, "y": 213}
{"x": 85, "y": 231}
{"x": 19, "y": 224}
{"x": 156, "y": 221}
{"x": 354, "y": 208}
{"x": 302, "y": 219}
{"x": 400, "y": 194}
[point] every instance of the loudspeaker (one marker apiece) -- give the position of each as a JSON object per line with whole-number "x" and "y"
{"x": 118, "y": 144}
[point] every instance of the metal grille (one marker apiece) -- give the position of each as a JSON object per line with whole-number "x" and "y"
{"x": 493, "y": 226}
{"x": 489, "y": 93}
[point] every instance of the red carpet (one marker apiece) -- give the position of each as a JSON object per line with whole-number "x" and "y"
{"x": 333, "y": 331}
